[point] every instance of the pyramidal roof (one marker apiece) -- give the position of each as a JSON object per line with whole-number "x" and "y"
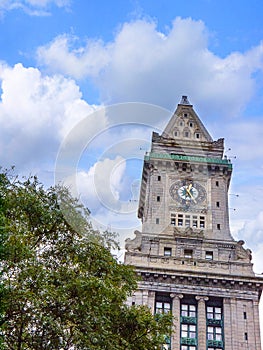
{"x": 185, "y": 123}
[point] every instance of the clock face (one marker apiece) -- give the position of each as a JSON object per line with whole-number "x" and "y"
{"x": 187, "y": 192}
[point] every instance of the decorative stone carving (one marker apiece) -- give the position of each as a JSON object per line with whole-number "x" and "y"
{"x": 242, "y": 253}
{"x": 134, "y": 245}
{"x": 188, "y": 232}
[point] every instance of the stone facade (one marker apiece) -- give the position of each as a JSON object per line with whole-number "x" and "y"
{"x": 188, "y": 260}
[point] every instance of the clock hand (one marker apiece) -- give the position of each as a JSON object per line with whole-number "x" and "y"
{"x": 188, "y": 190}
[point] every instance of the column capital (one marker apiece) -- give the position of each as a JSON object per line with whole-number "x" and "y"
{"x": 200, "y": 298}
{"x": 174, "y": 295}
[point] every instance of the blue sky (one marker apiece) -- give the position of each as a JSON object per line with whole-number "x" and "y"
{"x": 62, "y": 63}
{"x": 62, "y": 60}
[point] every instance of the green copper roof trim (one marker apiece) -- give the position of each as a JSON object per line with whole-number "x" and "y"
{"x": 188, "y": 158}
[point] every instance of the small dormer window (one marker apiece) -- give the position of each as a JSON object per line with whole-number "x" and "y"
{"x": 185, "y": 115}
{"x": 186, "y": 133}
{"x": 197, "y": 135}
{"x": 191, "y": 124}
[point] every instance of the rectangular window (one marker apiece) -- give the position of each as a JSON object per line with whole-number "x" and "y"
{"x": 217, "y": 183}
{"x": 157, "y": 221}
{"x": 202, "y": 222}
{"x": 245, "y": 315}
{"x": 188, "y": 310}
{"x": 217, "y": 204}
{"x": 162, "y": 307}
{"x": 246, "y": 336}
{"x": 197, "y": 136}
{"x": 195, "y": 221}
{"x": 173, "y": 219}
{"x": 188, "y": 253}
{"x": 214, "y": 313}
{"x": 167, "y": 251}
{"x": 214, "y": 333}
{"x": 188, "y": 331}
{"x": 187, "y": 220}
{"x": 180, "y": 220}
{"x": 159, "y": 178}
{"x": 218, "y": 226}
{"x": 209, "y": 255}
{"x": 158, "y": 198}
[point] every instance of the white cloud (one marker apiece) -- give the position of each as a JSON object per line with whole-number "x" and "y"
{"x": 245, "y": 137}
{"x": 44, "y": 3}
{"x": 61, "y": 57}
{"x": 36, "y": 113}
{"x": 32, "y": 7}
{"x": 252, "y": 232}
{"x": 142, "y": 64}
{"x": 100, "y": 189}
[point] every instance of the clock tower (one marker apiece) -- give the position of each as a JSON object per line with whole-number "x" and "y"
{"x": 188, "y": 261}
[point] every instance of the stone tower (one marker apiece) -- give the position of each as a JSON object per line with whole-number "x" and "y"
{"x": 188, "y": 261}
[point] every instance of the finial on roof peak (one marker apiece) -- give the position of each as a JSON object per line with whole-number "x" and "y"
{"x": 184, "y": 101}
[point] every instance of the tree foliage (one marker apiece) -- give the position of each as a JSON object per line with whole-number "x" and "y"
{"x": 60, "y": 286}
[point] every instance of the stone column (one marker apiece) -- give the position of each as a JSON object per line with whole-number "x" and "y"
{"x": 175, "y": 338}
{"x": 151, "y": 300}
{"x": 201, "y": 322}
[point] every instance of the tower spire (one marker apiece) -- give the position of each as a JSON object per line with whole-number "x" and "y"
{"x": 184, "y": 101}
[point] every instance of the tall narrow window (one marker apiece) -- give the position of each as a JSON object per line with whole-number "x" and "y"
{"x": 180, "y": 220}
{"x": 218, "y": 226}
{"x": 163, "y": 305}
{"x": 214, "y": 321}
{"x": 195, "y": 221}
{"x": 187, "y": 220}
{"x": 159, "y": 178}
{"x": 158, "y": 198}
{"x": 157, "y": 221}
{"x": 202, "y": 222}
{"x": 188, "y": 326}
{"x": 173, "y": 219}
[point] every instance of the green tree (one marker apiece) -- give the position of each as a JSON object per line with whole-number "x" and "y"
{"x": 60, "y": 286}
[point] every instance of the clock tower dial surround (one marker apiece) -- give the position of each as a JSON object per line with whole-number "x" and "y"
{"x": 187, "y": 192}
